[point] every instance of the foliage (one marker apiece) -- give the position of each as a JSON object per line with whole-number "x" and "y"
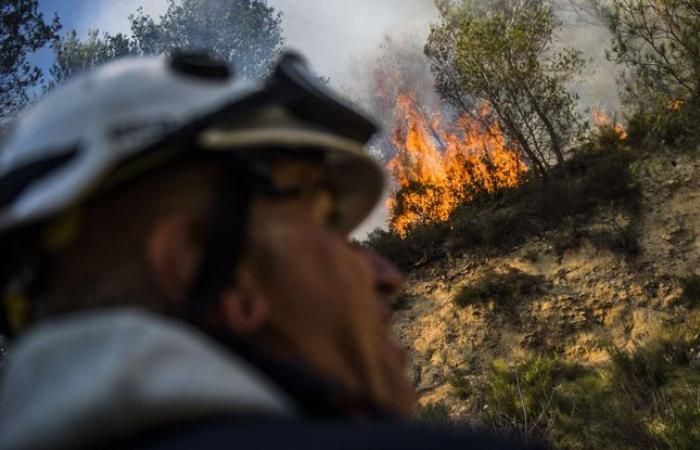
{"x": 618, "y": 238}
{"x": 420, "y": 245}
{"x": 574, "y": 195}
{"x": 502, "y": 288}
{"x": 246, "y": 33}
{"x": 659, "y": 42}
{"x": 73, "y": 56}
{"x": 609, "y": 136}
{"x": 437, "y": 412}
{"x": 23, "y": 30}
{"x": 524, "y": 399}
{"x": 646, "y": 398}
{"x": 500, "y": 53}
{"x": 651, "y": 125}
{"x": 461, "y": 386}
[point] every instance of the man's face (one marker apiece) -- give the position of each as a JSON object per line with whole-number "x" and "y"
{"x": 328, "y": 299}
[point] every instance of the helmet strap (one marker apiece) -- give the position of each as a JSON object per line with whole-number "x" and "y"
{"x": 225, "y": 243}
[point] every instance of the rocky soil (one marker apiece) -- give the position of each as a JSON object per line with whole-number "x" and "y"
{"x": 575, "y": 300}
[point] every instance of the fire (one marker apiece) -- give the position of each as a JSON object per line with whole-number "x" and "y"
{"x": 442, "y": 164}
{"x": 602, "y": 120}
{"x": 675, "y": 104}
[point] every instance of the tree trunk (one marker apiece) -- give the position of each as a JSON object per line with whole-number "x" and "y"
{"x": 553, "y": 135}
{"x": 516, "y": 134}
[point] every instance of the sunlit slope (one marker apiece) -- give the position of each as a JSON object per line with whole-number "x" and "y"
{"x": 564, "y": 292}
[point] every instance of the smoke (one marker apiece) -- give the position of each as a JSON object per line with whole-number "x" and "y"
{"x": 584, "y": 28}
{"x": 343, "y": 39}
{"x": 349, "y": 40}
{"x": 397, "y": 66}
{"x": 335, "y": 34}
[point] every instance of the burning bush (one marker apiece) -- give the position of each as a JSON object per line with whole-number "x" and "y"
{"x": 441, "y": 164}
{"x": 572, "y": 197}
{"x": 610, "y": 132}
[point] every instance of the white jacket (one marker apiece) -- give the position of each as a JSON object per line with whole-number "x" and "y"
{"x": 87, "y": 377}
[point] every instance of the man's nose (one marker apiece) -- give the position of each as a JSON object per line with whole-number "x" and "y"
{"x": 388, "y": 279}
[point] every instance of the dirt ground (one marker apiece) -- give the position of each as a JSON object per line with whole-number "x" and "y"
{"x": 585, "y": 295}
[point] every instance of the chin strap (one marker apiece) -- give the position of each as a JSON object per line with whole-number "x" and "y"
{"x": 239, "y": 183}
{"x": 225, "y": 244}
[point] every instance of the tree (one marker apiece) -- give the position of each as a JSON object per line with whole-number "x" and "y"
{"x": 23, "y": 30}
{"x": 247, "y": 33}
{"x": 659, "y": 40}
{"x": 73, "y": 56}
{"x": 499, "y": 54}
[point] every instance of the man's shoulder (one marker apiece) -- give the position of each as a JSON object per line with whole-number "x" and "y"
{"x": 91, "y": 376}
{"x": 228, "y": 433}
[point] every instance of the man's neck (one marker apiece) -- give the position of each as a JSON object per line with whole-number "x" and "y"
{"x": 316, "y": 395}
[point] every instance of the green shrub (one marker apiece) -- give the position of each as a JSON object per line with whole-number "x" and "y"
{"x": 420, "y": 245}
{"x": 469, "y": 295}
{"x": 621, "y": 239}
{"x": 525, "y": 399}
{"x": 639, "y": 373}
{"x": 461, "y": 386}
{"x": 646, "y": 398}
{"x": 502, "y": 288}
{"x": 437, "y": 412}
{"x": 652, "y": 126}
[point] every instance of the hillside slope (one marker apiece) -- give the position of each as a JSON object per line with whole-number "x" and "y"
{"x": 541, "y": 300}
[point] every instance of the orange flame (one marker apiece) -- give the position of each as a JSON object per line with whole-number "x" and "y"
{"x": 675, "y": 104}
{"x": 602, "y": 120}
{"x": 440, "y": 166}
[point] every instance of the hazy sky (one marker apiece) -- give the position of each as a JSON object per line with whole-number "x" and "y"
{"x": 329, "y": 32}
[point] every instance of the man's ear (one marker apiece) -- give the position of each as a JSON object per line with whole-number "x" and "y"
{"x": 245, "y": 307}
{"x": 173, "y": 252}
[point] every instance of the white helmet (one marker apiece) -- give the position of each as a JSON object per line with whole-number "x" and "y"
{"x": 59, "y": 151}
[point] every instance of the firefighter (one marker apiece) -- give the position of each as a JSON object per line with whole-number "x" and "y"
{"x": 176, "y": 271}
